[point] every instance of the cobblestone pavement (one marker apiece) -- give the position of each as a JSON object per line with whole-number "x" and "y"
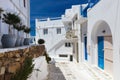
{"x": 55, "y": 73}
{"x": 75, "y": 71}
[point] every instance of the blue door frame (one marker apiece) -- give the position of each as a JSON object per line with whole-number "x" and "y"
{"x": 101, "y": 52}
{"x": 85, "y": 48}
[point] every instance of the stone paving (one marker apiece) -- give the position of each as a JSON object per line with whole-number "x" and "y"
{"x": 61, "y": 70}
{"x": 55, "y": 73}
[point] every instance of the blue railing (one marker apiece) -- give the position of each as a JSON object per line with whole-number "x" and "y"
{"x": 54, "y": 18}
{"x": 90, "y": 4}
{"x": 93, "y": 3}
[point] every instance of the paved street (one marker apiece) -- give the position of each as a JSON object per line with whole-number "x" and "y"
{"x": 74, "y": 71}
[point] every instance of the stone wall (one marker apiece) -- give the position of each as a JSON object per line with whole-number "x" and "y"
{"x": 13, "y": 60}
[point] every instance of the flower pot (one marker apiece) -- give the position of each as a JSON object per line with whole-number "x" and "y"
{"x": 18, "y": 41}
{"x": 26, "y": 41}
{"x": 8, "y": 41}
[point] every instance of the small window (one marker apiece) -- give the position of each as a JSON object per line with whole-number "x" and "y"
{"x": 24, "y": 3}
{"x": 63, "y": 55}
{"x": 58, "y": 30}
{"x": 67, "y": 44}
{"x": 45, "y": 31}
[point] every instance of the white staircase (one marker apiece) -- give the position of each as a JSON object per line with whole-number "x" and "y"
{"x": 57, "y": 45}
{"x": 95, "y": 72}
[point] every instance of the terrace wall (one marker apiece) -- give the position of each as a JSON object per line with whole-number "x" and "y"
{"x": 11, "y": 61}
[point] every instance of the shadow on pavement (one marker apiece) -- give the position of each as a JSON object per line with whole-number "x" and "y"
{"x": 54, "y": 72}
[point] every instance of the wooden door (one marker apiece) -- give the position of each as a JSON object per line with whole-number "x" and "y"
{"x": 101, "y": 52}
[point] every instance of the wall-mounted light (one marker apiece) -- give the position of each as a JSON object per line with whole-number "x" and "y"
{"x": 103, "y": 31}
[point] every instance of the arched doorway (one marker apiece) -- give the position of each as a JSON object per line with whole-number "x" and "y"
{"x": 102, "y": 46}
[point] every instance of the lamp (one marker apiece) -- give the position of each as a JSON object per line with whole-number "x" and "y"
{"x": 103, "y": 31}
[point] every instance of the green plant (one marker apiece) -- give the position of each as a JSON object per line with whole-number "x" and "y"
{"x": 41, "y": 41}
{"x": 19, "y": 27}
{"x": 25, "y": 71}
{"x": 47, "y": 57}
{"x": 27, "y": 30}
{"x": 11, "y": 19}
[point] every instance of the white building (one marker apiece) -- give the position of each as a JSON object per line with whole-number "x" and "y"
{"x": 98, "y": 36}
{"x": 20, "y": 7}
{"x": 69, "y": 19}
{"x": 103, "y": 29}
{"x": 54, "y": 33}
{"x": 94, "y": 32}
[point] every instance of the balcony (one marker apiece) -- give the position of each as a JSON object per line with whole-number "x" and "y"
{"x": 71, "y": 34}
{"x": 70, "y": 13}
{"x": 66, "y": 20}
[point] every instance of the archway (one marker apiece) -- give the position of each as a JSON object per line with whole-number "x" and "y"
{"x": 102, "y": 46}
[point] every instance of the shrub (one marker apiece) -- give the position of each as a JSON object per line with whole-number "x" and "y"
{"x": 11, "y": 19}
{"x": 41, "y": 41}
{"x": 27, "y": 30}
{"x": 25, "y": 71}
{"x": 19, "y": 27}
{"x": 47, "y": 57}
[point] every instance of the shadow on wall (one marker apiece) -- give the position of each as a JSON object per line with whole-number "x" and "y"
{"x": 57, "y": 45}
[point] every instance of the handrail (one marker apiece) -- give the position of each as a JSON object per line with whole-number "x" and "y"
{"x": 54, "y": 18}
{"x": 90, "y": 5}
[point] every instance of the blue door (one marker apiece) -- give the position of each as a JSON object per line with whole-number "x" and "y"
{"x": 85, "y": 48}
{"x": 101, "y": 52}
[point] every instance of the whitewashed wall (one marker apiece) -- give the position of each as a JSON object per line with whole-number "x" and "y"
{"x": 54, "y": 42}
{"x": 73, "y": 16}
{"x": 42, "y": 66}
{"x": 15, "y": 6}
{"x": 108, "y": 11}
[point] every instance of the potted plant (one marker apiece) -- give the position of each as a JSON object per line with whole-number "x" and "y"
{"x": 22, "y": 38}
{"x": 26, "y": 40}
{"x": 19, "y": 27}
{"x": 41, "y": 41}
{"x": 9, "y": 40}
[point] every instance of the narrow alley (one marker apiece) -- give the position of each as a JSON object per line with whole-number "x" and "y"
{"x": 60, "y": 70}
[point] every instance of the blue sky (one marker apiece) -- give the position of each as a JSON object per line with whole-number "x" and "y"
{"x": 49, "y": 8}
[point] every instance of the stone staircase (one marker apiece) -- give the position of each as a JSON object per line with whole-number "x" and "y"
{"x": 76, "y": 71}
{"x": 95, "y": 72}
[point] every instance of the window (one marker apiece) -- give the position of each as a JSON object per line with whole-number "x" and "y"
{"x": 58, "y": 30}
{"x": 67, "y": 44}
{"x": 24, "y": 3}
{"x": 45, "y": 31}
{"x": 63, "y": 55}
